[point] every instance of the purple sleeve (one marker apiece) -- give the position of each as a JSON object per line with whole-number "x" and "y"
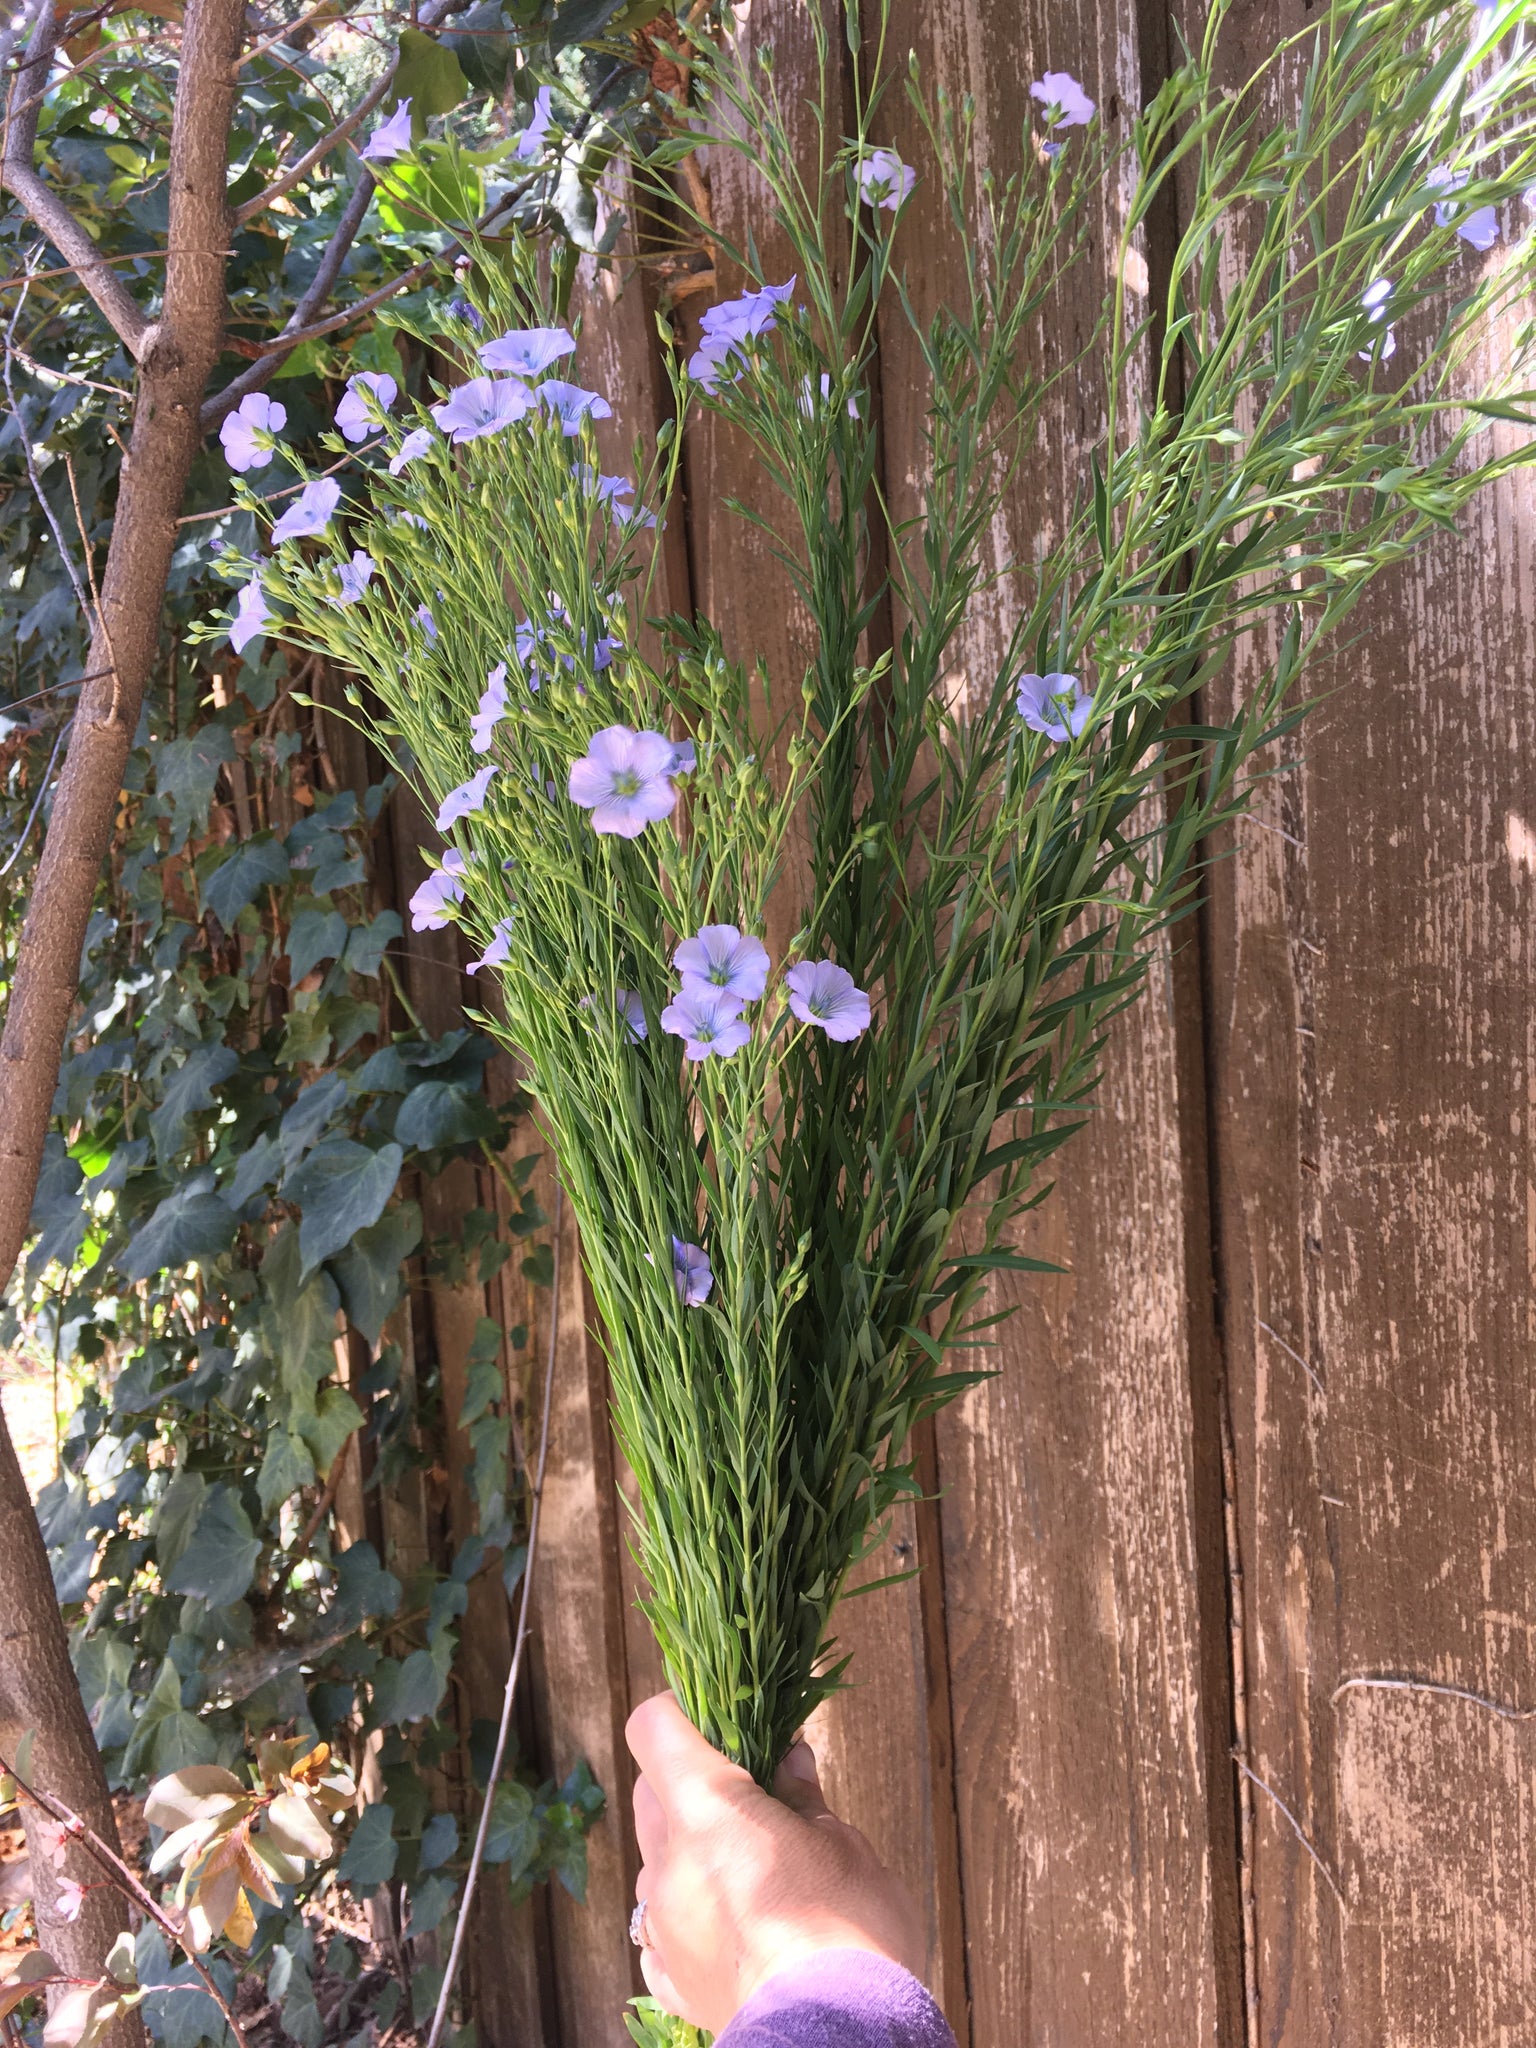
{"x": 843, "y": 1998}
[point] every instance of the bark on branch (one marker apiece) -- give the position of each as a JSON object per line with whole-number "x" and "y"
{"x": 176, "y": 356}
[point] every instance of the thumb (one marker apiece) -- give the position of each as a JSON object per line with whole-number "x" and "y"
{"x": 797, "y": 1784}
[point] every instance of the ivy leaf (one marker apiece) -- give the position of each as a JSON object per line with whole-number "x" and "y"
{"x": 430, "y": 1900}
{"x": 231, "y": 883}
{"x": 439, "y": 1841}
{"x": 186, "y": 771}
{"x": 191, "y": 1224}
{"x": 438, "y": 1113}
{"x": 369, "y": 1270}
{"x": 58, "y": 1215}
{"x": 363, "y": 1587}
{"x": 314, "y": 935}
{"x": 367, "y": 944}
{"x": 220, "y": 1565}
{"x": 513, "y": 1834}
{"x": 429, "y": 77}
{"x": 578, "y": 21}
{"x": 166, "y": 1737}
{"x": 407, "y": 1691}
{"x": 342, "y": 1187}
{"x": 298, "y": 1314}
{"x": 189, "y": 1089}
{"x": 260, "y": 1165}
{"x": 308, "y": 1114}
{"x": 335, "y": 1417}
{"x": 372, "y": 1852}
{"x": 176, "y": 1517}
{"x": 286, "y": 1467}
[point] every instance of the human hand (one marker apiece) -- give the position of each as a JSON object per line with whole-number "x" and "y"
{"x": 738, "y": 1885}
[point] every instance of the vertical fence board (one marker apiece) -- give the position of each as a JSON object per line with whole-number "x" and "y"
{"x": 1067, "y": 1500}
{"x": 1372, "y": 1062}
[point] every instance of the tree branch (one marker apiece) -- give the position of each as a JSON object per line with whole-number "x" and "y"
{"x": 19, "y": 176}
{"x": 306, "y": 163}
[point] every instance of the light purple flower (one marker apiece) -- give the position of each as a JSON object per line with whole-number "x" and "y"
{"x": 708, "y": 1021}
{"x": 571, "y": 404}
{"x": 247, "y": 434}
{"x": 527, "y": 351}
{"x": 493, "y": 708}
{"x": 534, "y": 138}
{"x": 355, "y": 577}
{"x": 390, "y": 137}
{"x": 1374, "y": 298}
{"x": 429, "y": 905}
{"x": 684, "y": 758}
{"x": 808, "y": 400}
{"x": 719, "y": 956}
{"x": 727, "y": 326}
{"x": 1055, "y": 704}
{"x": 485, "y": 405}
{"x": 1060, "y": 91}
{"x": 427, "y": 623}
{"x": 251, "y": 616}
{"x": 624, "y": 780}
{"x": 691, "y": 1271}
{"x": 464, "y": 801}
{"x": 822, "y": 993}
{"x": 497, "y": 951}
{"x": 884, "y": 180}
{"x": 310, "y": 512}
{"x": 1480, "y": 227}
{"x": 416, "y": 442}
{"x": 614, "y": 491}
{"x": 353, "y": 419}
{"x": 629, "y": 1008}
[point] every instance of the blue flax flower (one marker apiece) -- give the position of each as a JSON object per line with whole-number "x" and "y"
{"x": 691, "y": 1272}
{"x": 248, "y": 434}
{"x": 460, "y": 307}
{"x": 707, "y": 1020}
{"x": 534, "y": 139}
{"x": 630, "y": 1011}
{"x": 427, "y": 623}
{"x": 884, "y": 180}
{"x": 625, "y": 780}
{"x": 390, "y": 137}
{"x": 429, "y": 905}
{"x": 311, "y": 512}
{"x": 355, "y": 577}
{"x": 526, "y": 351}
{"x": 719, "y": 956}
{"x": 416, "y": 442}
{"x": 485, "y": 405}
{"x": 1066, "y": 104}
{"x": 728, "y": 326}
{"x": 493, "y": 708}
{"x": 498, "y": 950}
{"x": 571, "y": 404}
{"x": 464, "y": 801}
{"x": 251, "y": 616}
{"x": 353, "y": 419}
{"x": 1055, "y": 704}
{"x": 822, "y": 993}
{"x": 1480, "y": 227}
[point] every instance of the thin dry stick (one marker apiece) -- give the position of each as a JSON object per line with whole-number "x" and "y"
{"x": 126, "y": 1881}
{"x": 1366, "y": 1683}
{"x": 440, "y": 2016}
{"x": 90, "y": 571}
{"x": 1296, "y": 1829}
{"x": 1238, "y": 1647}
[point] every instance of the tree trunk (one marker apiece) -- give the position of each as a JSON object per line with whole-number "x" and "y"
{"x": 176, "y": 356}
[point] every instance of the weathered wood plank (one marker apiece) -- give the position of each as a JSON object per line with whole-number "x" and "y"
{"x": 1372, "y": 1053}
{"x": 1068, "y": 1496}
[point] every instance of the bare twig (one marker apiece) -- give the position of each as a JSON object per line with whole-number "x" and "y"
{"x": 19, "y": 176}
{"x": 26, "y": 448}
{"x": 299, "y": 170}
{"x": 1367, "y": 1683}
{"x": 126, "y": 1880}
{"x": 37, "y": 802}
{"x": 477, "y": 1854}
{"x": 1296, "y": 1829}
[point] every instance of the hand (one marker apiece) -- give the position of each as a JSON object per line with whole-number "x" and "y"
{"x": 736, "y": 1885}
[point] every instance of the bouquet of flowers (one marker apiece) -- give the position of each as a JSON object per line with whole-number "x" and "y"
{"x": 794, "y": 1175}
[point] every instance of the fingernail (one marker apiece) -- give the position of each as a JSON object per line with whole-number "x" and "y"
{"x": 800, "y": 1762}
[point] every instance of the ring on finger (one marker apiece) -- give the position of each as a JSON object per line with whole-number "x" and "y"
{"x": 639, "y": 1930}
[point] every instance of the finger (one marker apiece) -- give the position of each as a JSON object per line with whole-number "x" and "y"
{"x": 797, "y": 1783}
{"x": 675, "y": 1757}
{"x": 650, "y": 1822}
{"x": 659, "y": 1984}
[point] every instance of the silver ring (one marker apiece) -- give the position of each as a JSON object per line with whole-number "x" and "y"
{"x": 639, "y": 1933}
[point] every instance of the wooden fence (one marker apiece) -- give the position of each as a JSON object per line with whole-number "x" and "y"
{"x": 1204, "y": 1721}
